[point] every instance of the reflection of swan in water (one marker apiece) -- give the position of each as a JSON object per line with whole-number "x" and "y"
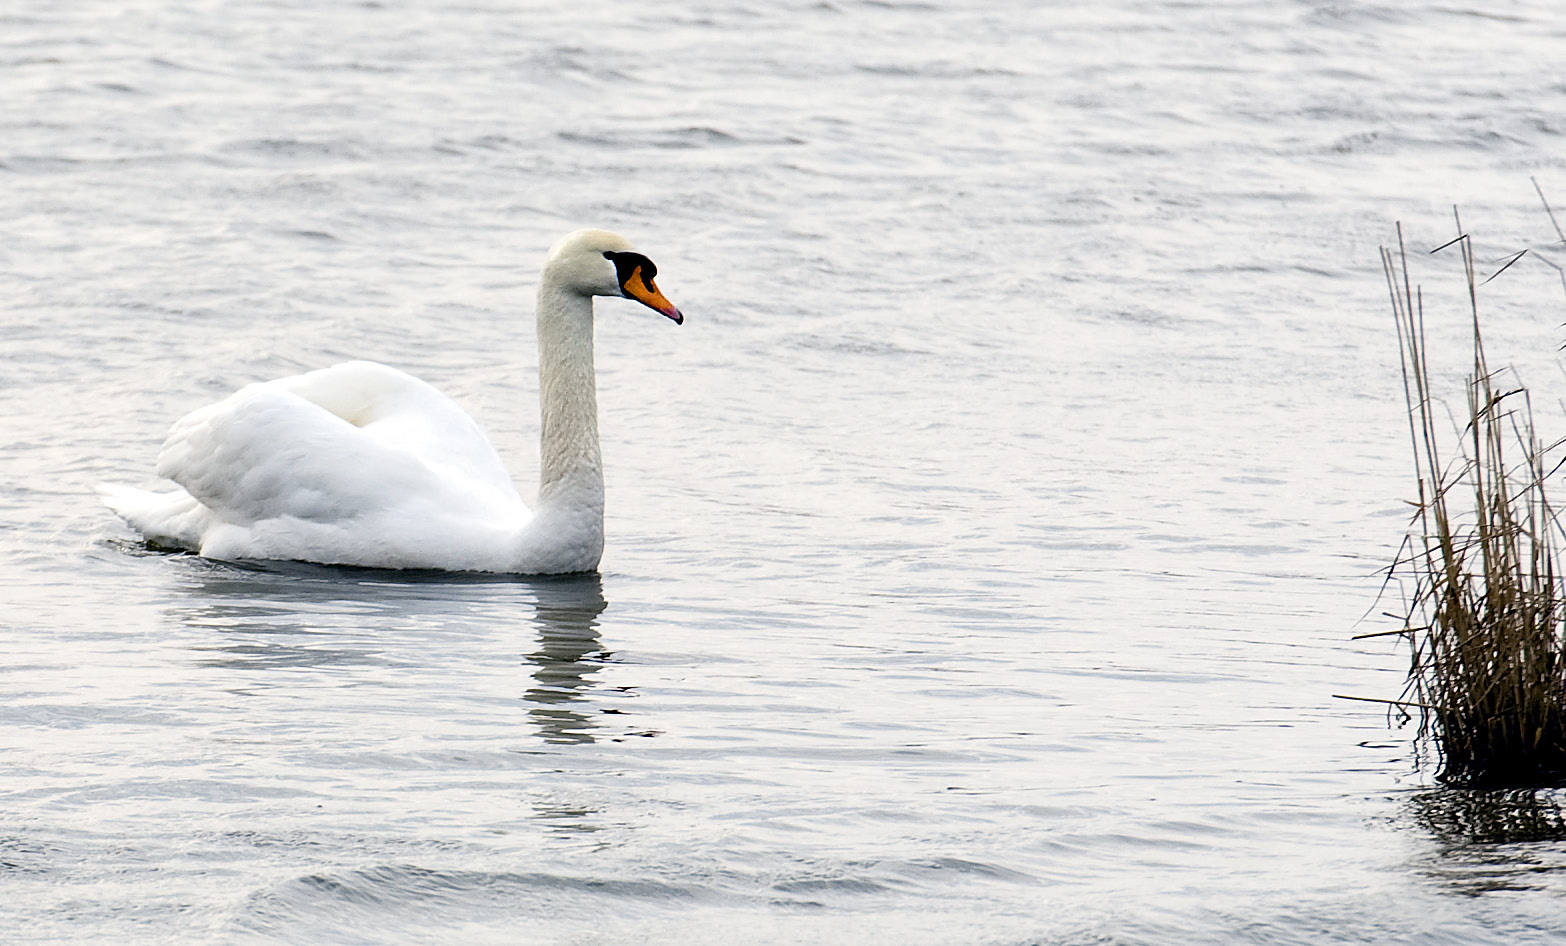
{"x": 277, "y": 616}
{"x": 294, "y": 615}
{"x": 566, "y": 611}
{"x": 283, "y": 615}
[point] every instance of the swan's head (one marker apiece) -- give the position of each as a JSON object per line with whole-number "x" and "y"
{"x": 600, "y": 263}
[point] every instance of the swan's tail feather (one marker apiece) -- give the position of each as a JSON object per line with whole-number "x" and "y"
{"x": 174, "y": 518}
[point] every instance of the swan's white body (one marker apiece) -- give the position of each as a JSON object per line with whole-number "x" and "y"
{"x": 361, "y": 464}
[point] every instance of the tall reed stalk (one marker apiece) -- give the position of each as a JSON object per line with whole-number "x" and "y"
{"x": 1487, "y": 607}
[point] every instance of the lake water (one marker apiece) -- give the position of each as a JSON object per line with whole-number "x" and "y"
{"x": 984, "y": 553}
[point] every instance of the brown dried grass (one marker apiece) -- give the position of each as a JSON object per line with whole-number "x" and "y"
{"x": 1486, "y": 607}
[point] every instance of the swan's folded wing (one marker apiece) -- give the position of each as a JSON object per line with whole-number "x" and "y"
{"x": 265, "y": 453}
{"x": 403, "y": 412}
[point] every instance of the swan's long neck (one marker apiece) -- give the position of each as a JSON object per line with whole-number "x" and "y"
{"x": 571, "y": 477}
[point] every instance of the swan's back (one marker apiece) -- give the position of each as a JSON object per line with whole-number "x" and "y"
{"x": 356, "y": 463}
{"x": 401, "y": 411}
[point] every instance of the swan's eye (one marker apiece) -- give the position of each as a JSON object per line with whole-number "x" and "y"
{"x": 635, "y": 273}
{"x": 626, "y": 265}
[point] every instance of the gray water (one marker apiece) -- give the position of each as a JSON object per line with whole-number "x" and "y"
{"x": 984, "y": 553}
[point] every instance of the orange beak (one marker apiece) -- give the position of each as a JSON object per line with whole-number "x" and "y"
{"x": 641, "y": 288}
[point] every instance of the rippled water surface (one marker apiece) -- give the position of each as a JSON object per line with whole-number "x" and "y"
{"x": 984, "y": 552}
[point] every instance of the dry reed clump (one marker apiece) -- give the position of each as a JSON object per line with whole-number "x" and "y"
{"x": 1486, "y": 610}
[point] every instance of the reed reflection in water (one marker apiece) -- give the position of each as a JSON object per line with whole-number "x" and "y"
{"x": 1492, "y": 841}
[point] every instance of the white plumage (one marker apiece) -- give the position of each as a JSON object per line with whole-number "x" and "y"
{"x": 361, "y": 464}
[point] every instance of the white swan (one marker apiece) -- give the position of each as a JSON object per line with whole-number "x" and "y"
{"x": 360, "y": 464}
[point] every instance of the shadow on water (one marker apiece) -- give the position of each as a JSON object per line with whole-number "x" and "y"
{"x": 1493, "y": 841}
{"x": 290, "y": 615}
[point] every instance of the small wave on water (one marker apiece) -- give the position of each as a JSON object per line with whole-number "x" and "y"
{"x": 690, "y": 137}
{"x": 369, "y": 904}
{"x": 417, "y": 904}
